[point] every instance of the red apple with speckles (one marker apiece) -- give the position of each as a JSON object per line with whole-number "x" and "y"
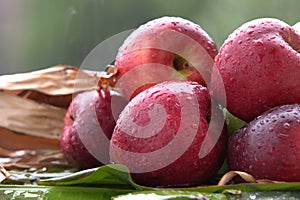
{"x": 162, "y": 136}
{"x": 167, "y": 48}
{"x": 269, "y": 146}
{"x": 88, "y": 126}
{"x": 260, "y": 67}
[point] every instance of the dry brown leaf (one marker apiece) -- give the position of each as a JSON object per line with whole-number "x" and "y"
{"x": 57, "y": 80}
{"x": 38, "y": 160}
{"x": 231, "y": 174}
{"x": 14, "y": 154}
{"x": 61, "y": 101}
{"x": 27, "y": 116}
{"x": 4, "y": 174}
{"x": 17, "y": 141}
{"x": 227, "y": 177}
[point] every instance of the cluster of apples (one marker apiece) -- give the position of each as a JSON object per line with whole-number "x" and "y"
{"x": 166, "y": 123}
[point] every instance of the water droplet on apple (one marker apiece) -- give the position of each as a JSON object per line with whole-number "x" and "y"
{"x": 134, "y": 130}
{"x": 194, "y": 126}
{"x": 240, "y": 41}
{"x": 260, "y": 57}
{"x": 150, "y": 106}
{"x": 231, "y": 79}
{"x": 245, "y": 69}
{"x": 227, "y": 56}
{"x": 259, "y": 145}
{"x": 287, "y": 125}
{"x": 282, "y": 116}
{"x": 250, "y": 32}
{"x": 258, "y": 42}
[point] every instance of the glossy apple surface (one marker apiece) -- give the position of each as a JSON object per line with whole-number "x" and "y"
{"x": 160, "y": 134}
{"x": 260, "y": 67}
{"x": 167, "y": 48}
{"x": 88, "y": 126}
{"x": 269, "y": 146}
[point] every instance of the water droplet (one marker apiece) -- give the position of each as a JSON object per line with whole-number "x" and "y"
{"x": 229, "y": 42}
{"x": 227, "y": 56}
{"x": 134, "y": 130}
{"x": 259, "y": 145}
{"x": 231, "y": 79}
{"x": 245, "y": 69}
{"x": 260, "y": 57}
{"x": 282, "y": 116}
{"x": 287, "y": 125}
{"x": 240, "y": 41}
{"x": 250, "y": 32}
{"x": 281, "y": 46}
{"x": 252, "y": 196}
{"x": 151, "y": 105}
{"x": 194, "y": 126}
{"x": 258, "y": 42}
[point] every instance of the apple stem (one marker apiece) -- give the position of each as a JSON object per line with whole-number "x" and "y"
{"x": 108, "y": 78}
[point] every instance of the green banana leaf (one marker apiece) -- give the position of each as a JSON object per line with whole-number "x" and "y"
{"x": 109, "y": 181}
{"x": 20, "y": 192}
{"x": 175, "y": 194}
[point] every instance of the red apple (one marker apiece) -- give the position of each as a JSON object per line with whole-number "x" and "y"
{"x": 165, "y": 138}
{"x": 167, "y": 48}
{"x": 260, "y": 67}
{"x": 269, "y": 146}
{"x": 88, "y": 126}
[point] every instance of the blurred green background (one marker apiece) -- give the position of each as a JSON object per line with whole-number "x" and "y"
{"x": 35, "y": 34}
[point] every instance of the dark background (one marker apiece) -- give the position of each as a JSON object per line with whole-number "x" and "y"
{"x": 35, "y": 34}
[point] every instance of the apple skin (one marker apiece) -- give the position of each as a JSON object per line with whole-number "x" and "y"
{"x": 90, "y": 116}
{"x": 260, "y": 67}
{"x": 167, "y": 157}
{"x": 269, "y": 146}
{"x": 161, "y": 49}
